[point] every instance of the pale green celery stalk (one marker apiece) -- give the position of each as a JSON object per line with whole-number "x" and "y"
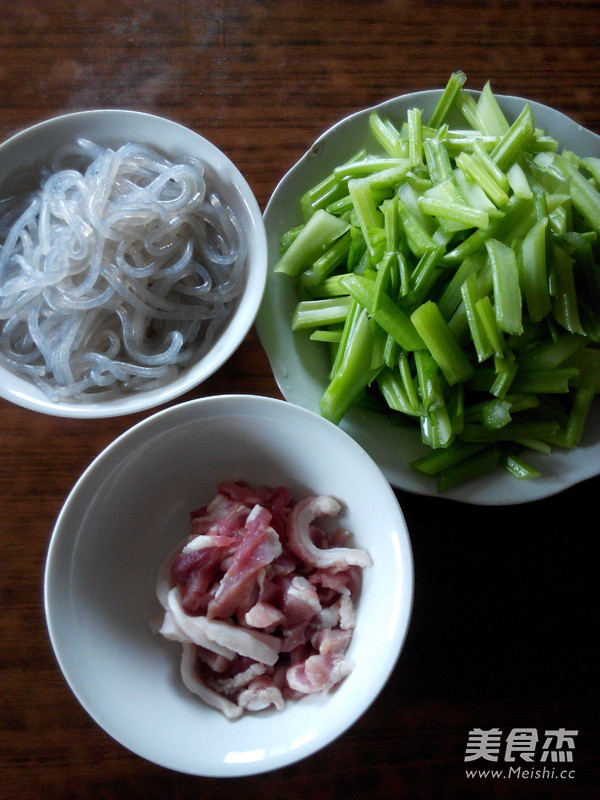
{"x": 587, "y": 388}
{"x": 454, "y": 85}
{"x": 551, "y": 353}
{"x": 534, "y": 273}
{"x": 514, "y": 141}
{"x": 415, "y": 137}
{"x": 477, "y": 172}
{"x": 330, "y": 336}
{"x": 509, "y": 433}
{"x": 507, "y": 293}
{"x": 487, "y": 314}
{"x": 450, "y": 297}
{"x": 545, "y": 381}
{"x": 320, "y": 313}
{"x": 391, "y": 225}
{"x": 592, "y": 165}
{"x": 434, "y": 462}
{"x": 316, "y": 235}
{"x": 354, "y": 373}
{"x": 424, "y": 276}
{"x": 417, "y": 238}
{"x": 468, "y": 469}
{"x": 466, "y": 216}
{"x": 383, "y": 280}
{"x": 403, "y": 274}
{"x": 388, "y": 316}
{"x": 496, "y": 414}
{"x": 458, "y": 143}
{"x": 481, "y": 155}
{"x": 541, "y": 203}
{"x": 562, "y": 289}
{"x": 517, "y": 211}
{"x": 325, "y": 192}
{"x": 506, "y": 370}
{"x": 368, "y": 166}
{"x": 331, "y": 259}
{"x": 367, "y": 213}
{"x": 393, "y": 392}
{"x": 437, "y": 160}
{"x": 490, "y": 114}
{"x": 408, "y": 194}
{"x": 407, "y": 379}
{"x": 474, "y": 194}
{"x": 436, "y": 425}
{"x": 347, "y": 332}
{"x": 535, "y": 444}
{"x": 383, "y": 182}
{"x": 442, "y": 345}
{"x": 330, "y": 287}
{"x": 387, "y": 135}
{"x": 470, "y": 295}
{"x": 585, "y": 197}
{"x": 513, "y": 463}
{"x": 467, "y": 105}
{"x": 517, "y": 180}
{"x": 391, "y": 352}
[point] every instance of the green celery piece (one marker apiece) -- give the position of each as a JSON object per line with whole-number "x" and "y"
{"x": 481, "y": 342}
{"x": 496, "y": 413}
{"x": 331, "y": 259}
{"x": 316, "y": 235}
{"x": 468, "y": 469}
{"x": 446, "y": 101}
{"x": 467, "y": 105}
{"x": 436, "y": 426}
{"x": 514, "y": 141}
{"x": 391, "y": 352}
{"x": 418, "y": 240}
{"x": 481, "y": 155}
{"x": 486, "y": 312}
{"x": 391, "y": 225}
{"x": 592, "y": 165}
{"x": 545, "y": 381}
{"x": 465, "y": 141}
{"x": 518, "y": 181}
{"x": 490, "y": 114}
{"x": 354, "y": 373}
{"x": 450, "y": 297}
{"x": 318, "y": 313}
{"x": 388, "y": 316}
{"x": 368, "y": 215}
{"x": 369, "y": 166}
{"x": 534, "y": 273}
{"x": 477, "y": 172}
{"x": 407, "y": 378}
{"x": 509, "y": 433}
{"x": 506, "y": 371}
{"x": 437, "y": 160}
{"x": 415, "y": 137}
{"x": 514, "y": 464}
{"x": 383, "y": 280}
{"x": 387, "y": 135}
{"x": 586, "y": 198}
{"x": 507, "y": 293}
{"x": 393, "y": 392}
{"x": 326, "y": 191}
{"x": 464, "y": 216}
{"x": 329, "y": 287}
{"x": 330, "y": 336}
{"x": 424, "y": 276}
{"x": 562, "y": 289}
{"x": 551, "y": 353}
{"x": 442, "y": 345}
{"x": 434, "y": 462}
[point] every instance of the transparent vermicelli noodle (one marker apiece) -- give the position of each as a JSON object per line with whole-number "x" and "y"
{"x": 117, "y": 273}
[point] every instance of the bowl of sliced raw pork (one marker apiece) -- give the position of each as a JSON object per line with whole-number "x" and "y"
{"x": 229, "y": 585}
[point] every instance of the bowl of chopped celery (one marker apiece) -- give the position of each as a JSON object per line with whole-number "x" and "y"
{"x": 433, "y": 289}
{"x": 132, "y": 262}
{"x": 212, "y": 499}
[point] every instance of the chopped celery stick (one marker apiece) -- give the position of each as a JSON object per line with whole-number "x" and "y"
{"x": 475, "y": 466}
{"x": 391, "y": 318}
{"x": 317, "y": 313}
{"x": 330, "y": 287}
{"x": 437, "y": 460}
{"x": 562, "y": 288}
{"x": 419, "y": 241}
{"x": 391, "y": 352}
{"x": 475, "y": 171}
{"x": 424, "y": 276}
{"x": 325, "y": 192}
{"x": 446, "y": 101}
{"x": 586, "y": 198}
{"x": 352, "y": 376}
{"x": 517, "y": 180}
{"x": 487, "y": 314}
{"x": 513, "y": 142}
{"x": 316, "y": 235}
{"x": 551, "y": 353}
{"x": 592, "y": 165}
{"x": 534, "y": 274}
{"x": 437, "y": 159}
{"x": 517, "y": 467}
{"x": 331, "y": 336}
{"x": 465, "y": 216}
{"x": 392, "y": 389}
{"x": 496, "y": 413}
{"x": 451, "y": 295}
{"x": 409, "y": 195}
{"x": 544, "y": 381}
{"x": 535, "y": 444}
{"x": 440, "y": 342}
{"x": 490, "y": 114}
{"x": 506, "y": 370}
{"x": 474, "y": 194}
{"x": 382, "y": 281}
{"x": 469, "y": 292}
{"x": 387, "y": 135}
{"x": 415, "y": 137}
{"x": 481, "y": 155}
{"x": 507, "y": 294}
{"x": 368, "y": 166}
{"x": 367, "y": 213}
{"x": 510, "y": 432}
{"x": 328, "y": 262}
{"x": 347, "y": 333}
{"x": 407, "y": 379}
{"x": 468, "y": 107}
{"x": 458, "y": 143}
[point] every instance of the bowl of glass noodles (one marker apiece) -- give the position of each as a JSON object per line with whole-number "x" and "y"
{"x": 132, "y": 263}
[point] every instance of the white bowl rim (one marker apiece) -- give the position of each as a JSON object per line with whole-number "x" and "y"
{"x": 20, "y": 391}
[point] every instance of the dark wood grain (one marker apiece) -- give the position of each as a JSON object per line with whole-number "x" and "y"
{"x": 505, "y": 616}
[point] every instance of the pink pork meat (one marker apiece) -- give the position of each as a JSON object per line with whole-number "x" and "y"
{"x": 261, "y": 598}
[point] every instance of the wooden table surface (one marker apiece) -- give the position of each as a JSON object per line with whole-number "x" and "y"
{"x": 505, "y": 618}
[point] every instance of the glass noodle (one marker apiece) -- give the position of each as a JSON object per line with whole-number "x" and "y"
{"x": 117, "y": 273}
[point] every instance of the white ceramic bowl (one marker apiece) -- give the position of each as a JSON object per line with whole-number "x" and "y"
{"x": 21, "y": 159}
{"x": 124, "y": 515}
{"x": 301, "y": 366}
